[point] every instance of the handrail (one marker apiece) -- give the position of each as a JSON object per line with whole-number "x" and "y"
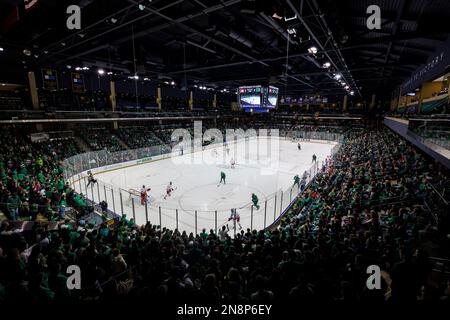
{"x": 437, "y": 192}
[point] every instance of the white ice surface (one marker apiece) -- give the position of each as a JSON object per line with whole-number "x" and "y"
{"x": 196, "y": 179}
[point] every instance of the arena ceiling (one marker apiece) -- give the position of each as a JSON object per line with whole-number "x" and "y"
{"x": 226, "y": 43}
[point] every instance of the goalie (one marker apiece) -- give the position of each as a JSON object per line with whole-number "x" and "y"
{"x": 233, "y": 163}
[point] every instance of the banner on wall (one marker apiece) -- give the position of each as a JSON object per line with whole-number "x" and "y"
{"x": 433, "y": 68}
{"x": 78, "y": 83}
{"x": 50, "y": 79}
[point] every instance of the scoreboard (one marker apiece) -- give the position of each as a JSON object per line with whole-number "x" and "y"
{"x": 257, "y": 98}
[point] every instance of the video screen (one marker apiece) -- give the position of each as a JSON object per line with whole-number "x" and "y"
{"x": 272, "y": 97}
{"x": 250, "y": 97}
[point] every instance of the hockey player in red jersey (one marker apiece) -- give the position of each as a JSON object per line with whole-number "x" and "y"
{"x": 144, "y": 195}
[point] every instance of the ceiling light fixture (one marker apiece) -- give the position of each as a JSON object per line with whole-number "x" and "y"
{"x": 312, "y": 50}
{"x": 276, "y": 16}
{"x": 291, "y": 18}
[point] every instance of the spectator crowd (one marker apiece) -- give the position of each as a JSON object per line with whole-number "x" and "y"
{"x": 365, "y": 207}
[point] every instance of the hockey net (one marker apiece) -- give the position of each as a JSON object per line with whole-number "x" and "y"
{"x": 133, "y": 194}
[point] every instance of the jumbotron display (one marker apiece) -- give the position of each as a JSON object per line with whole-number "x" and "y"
{"x": 257, "y": 98}
{"x": 272, "y": 97}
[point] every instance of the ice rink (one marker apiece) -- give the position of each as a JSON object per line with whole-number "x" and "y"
{"x": 199, "y": 201}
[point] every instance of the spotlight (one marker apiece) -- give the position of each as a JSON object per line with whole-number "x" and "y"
{"x": 101, "y": 72}
{"x": 27, "y": 52}
{"x": 312, "y": 50}
{"x": 276, "y": 16}
{"x": 172, "y": 83}
{"x": 352, "y": 93}
{"x": 337, "y": 76}
{"x": 326, "y": 65}
{"x": 1, "y": 49}
{"x": 69, "y": 66}
{"x": 346, "y": 87}
{"x": 146, "y": 79}
{"x": 141, "y": 7}
{"x": 343, "y": 83}
{"x": 136, "y": 77}
{"x": 109, "y": 73}
{"x": 113, "y": 20}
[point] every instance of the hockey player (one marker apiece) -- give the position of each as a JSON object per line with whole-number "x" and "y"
{"x": 235, "y": 218}
{"x": 305, "y": 175}
{"x": 314, "y": 158}
{"x": 299, "y": 146}
{"x": 297, "y": 181}
{"x": 91, "y": 179}
{"x": 222, "y": 178}
{"x": 169, "y": 190}
{"x": 255, "y": 201}
{"x": 144, "y": 195}
{"x": 233, "y": 163}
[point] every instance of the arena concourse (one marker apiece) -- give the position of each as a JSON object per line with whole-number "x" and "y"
{"x": 224, "y": 153}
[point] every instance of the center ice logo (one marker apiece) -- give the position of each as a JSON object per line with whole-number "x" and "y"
{"x": 248, "y": 148}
